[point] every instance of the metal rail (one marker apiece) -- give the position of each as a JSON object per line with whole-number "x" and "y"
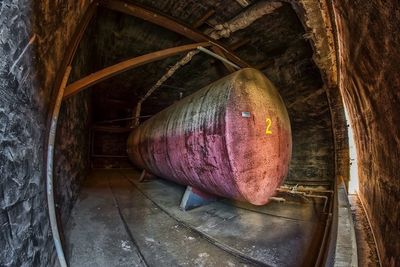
{"x": 49, "y": 169}
{"x": 126, "y": 227}
{"x": 58, "y": 91}
{"x": 306, "y": 192}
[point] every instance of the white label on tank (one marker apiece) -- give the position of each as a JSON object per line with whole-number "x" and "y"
{"x": 245, "y": 114}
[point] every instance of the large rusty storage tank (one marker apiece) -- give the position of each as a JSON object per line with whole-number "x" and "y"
{"x": 231, "y": 138}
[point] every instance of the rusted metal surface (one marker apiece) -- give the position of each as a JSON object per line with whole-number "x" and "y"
{"x": 231, "y": 138}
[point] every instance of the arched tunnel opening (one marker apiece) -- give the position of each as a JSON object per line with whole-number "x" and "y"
{"x": 199, "y": 133}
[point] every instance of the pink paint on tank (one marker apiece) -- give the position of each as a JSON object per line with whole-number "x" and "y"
{"x": 231, "y": 138}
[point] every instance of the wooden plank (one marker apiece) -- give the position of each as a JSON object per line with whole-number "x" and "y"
{"x": 203, "y": 18}
{"x": 170, "y": 24}
{"x": 263, "y": 65}
{"x": 113, "y": 70}
{"x": 111, "y": 129}
{"x": 239, "y": 44}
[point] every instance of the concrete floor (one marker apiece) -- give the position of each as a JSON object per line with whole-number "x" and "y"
{"x": 118, "y": 221}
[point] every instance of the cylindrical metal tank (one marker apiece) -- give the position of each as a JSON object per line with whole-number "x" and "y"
{"x": 231, "y": 138}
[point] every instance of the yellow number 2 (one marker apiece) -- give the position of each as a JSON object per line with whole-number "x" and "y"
{"x": 267, "y": 130}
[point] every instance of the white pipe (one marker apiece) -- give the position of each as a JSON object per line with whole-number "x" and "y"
{"x": 205, "y": 50}
{"x": 49, "y": 169}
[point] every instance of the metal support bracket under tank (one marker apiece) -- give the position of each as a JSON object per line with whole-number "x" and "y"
{"x": 146, "y": 176}
{"x": 193, "y": 198}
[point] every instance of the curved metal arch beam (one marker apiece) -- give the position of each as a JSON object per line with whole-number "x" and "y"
{"x": 172, "y": 25}
{"x": 113, "y": 70}
{"x": 58, "y": 91}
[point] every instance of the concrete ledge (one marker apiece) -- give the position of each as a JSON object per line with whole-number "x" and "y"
{"x": 346, "y": 245}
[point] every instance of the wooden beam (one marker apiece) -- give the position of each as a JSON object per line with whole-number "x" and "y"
{"x": 109, "y": 156}
{"x": 239, "y": 44}
{"x": 111, "y": 129}
{"x": 114, "y": 101}
{"x": 265, "y": 64}
{"x": 243, "y": 3}
{"x": 170, "y": 24}
{"x": 113, "y": 70}
{"x": 203, "y": 18}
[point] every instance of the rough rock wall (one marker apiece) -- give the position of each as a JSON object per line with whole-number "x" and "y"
{"x": 369, "y": 39}
{"x": 316, "y": 17}
{"x": 33, "y": 39}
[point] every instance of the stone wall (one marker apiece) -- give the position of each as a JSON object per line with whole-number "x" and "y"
{"x": 316, "y": 17}
{"x": 109, "y": 150}
{"x": 34, "y": 35}
{"x": 369, "y": 60}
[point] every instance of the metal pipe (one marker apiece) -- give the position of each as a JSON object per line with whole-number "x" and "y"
{"x": 304, "y": 194}
{"x": 49, "y": 169}
{"x": 278, "y": 199}
{"x": 205, "y": 50}
{"x": 305, "y": 189}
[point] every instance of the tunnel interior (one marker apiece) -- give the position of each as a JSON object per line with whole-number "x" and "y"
{"x": 321, "y": 57}
{"x": 287, "y": 61}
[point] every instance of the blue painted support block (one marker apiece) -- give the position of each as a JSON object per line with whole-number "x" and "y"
{"x": 193, "y": 198}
